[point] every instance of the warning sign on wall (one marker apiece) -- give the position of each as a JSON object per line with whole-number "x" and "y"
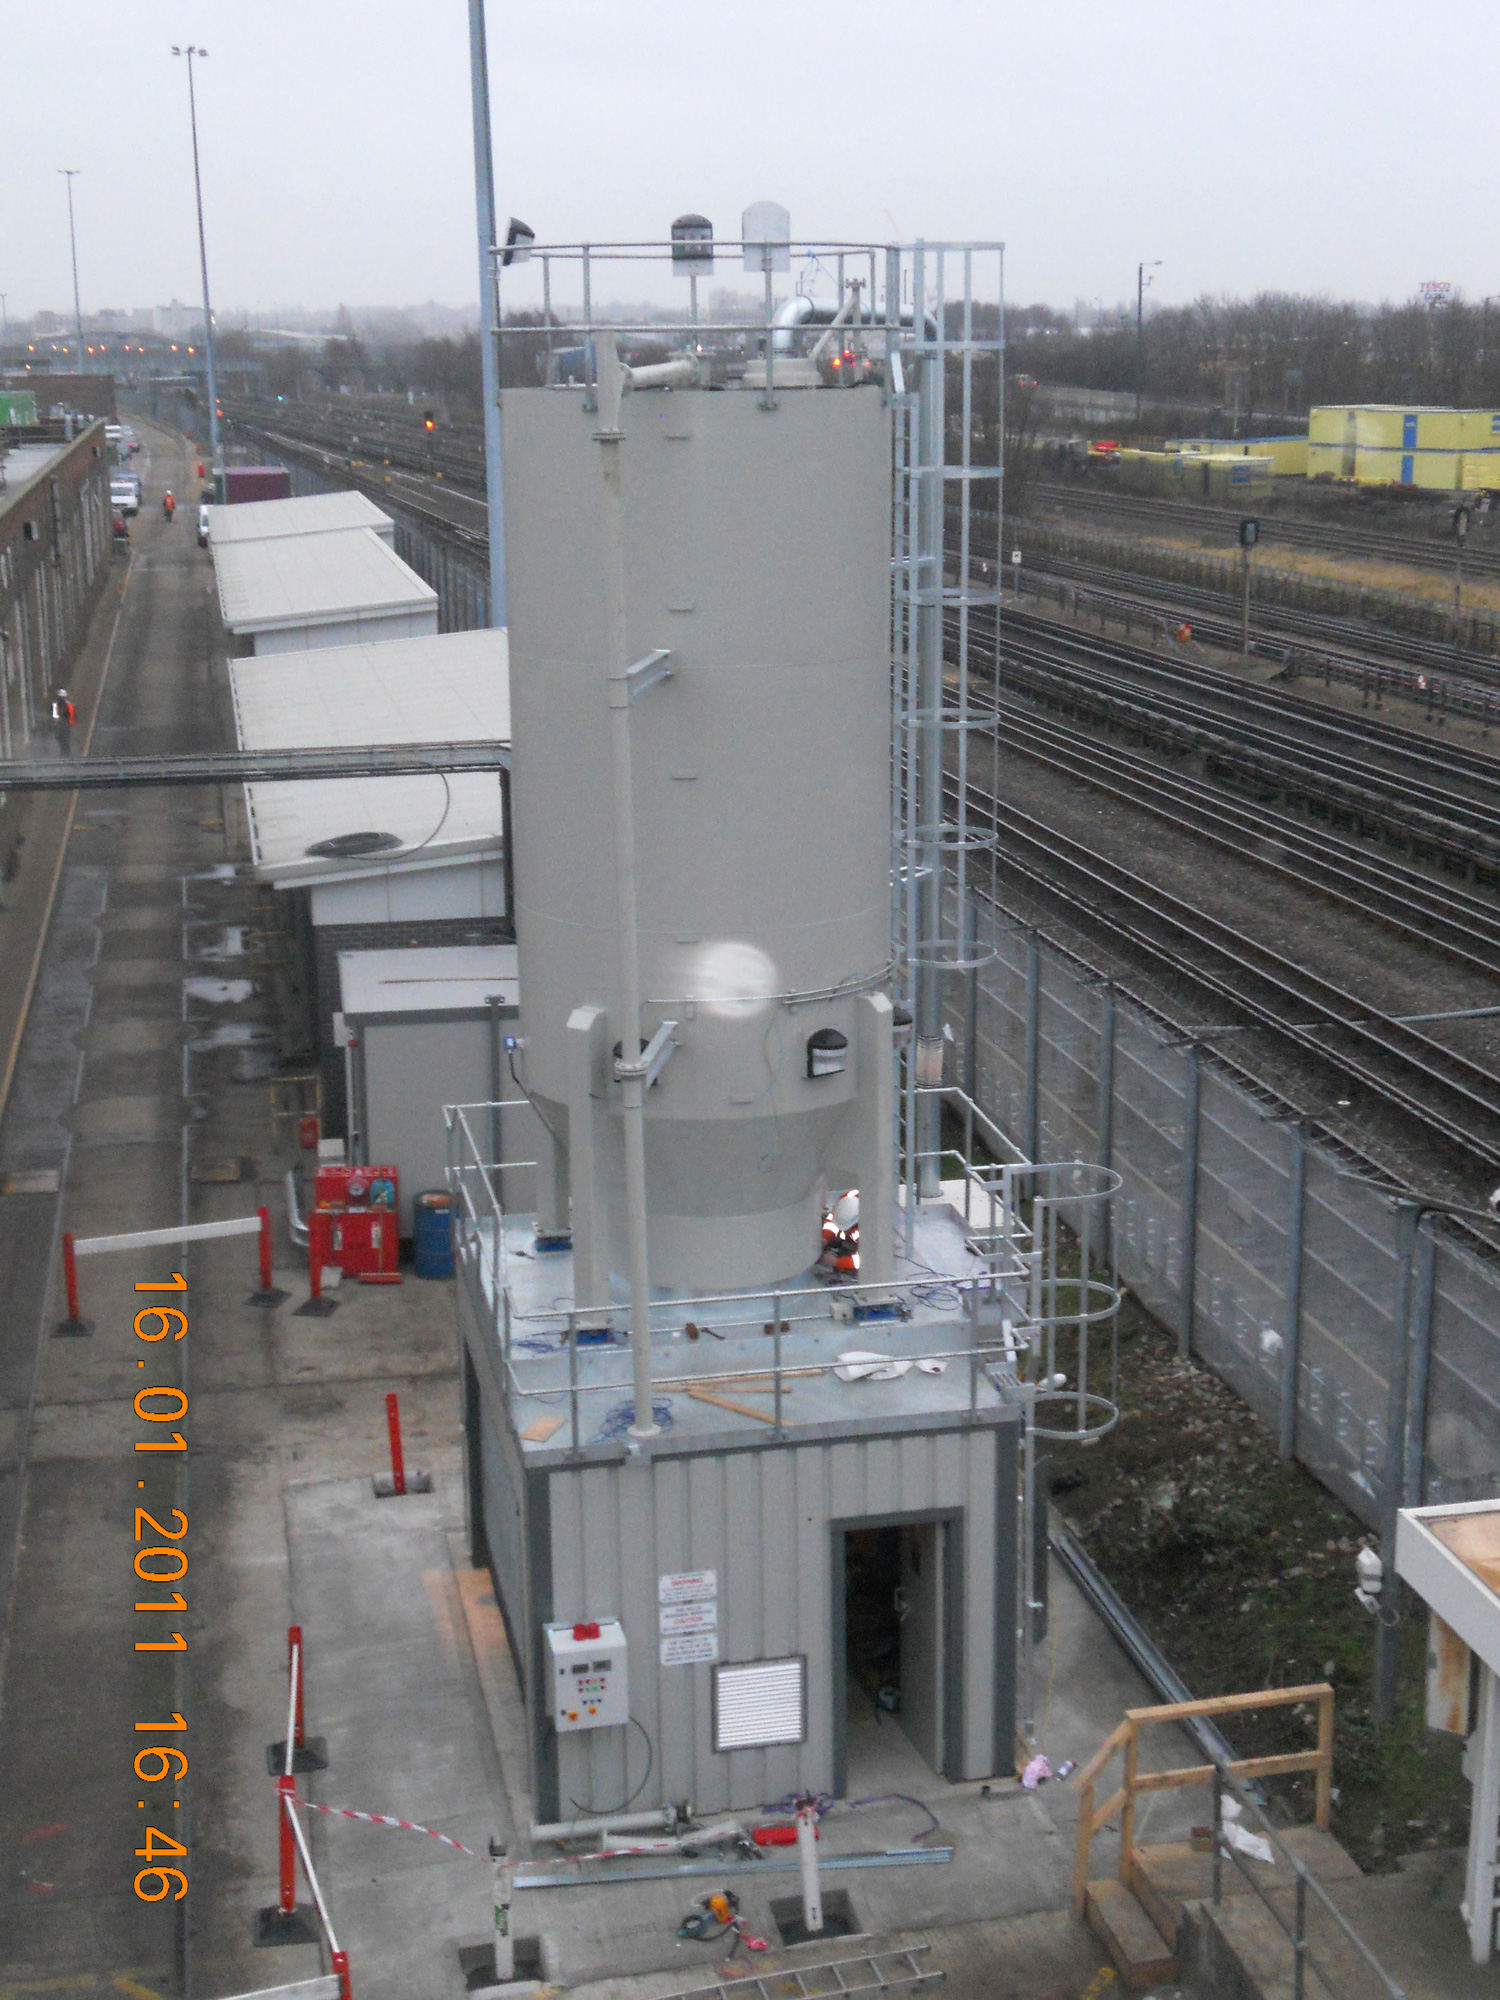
{"x": 688, "y": 1649}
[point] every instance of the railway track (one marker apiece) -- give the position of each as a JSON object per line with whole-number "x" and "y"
{"x": 1395, "y": 1060}
{"x": 1431, "y": 549}
{"x": 1441, "y": 917}
{"x": 1217, "y": 614}
{"x": 1438, "y": 801}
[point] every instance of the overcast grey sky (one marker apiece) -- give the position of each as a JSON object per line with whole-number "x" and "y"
{"x": 1342, "y": 146}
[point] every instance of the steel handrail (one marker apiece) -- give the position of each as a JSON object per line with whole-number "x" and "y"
{"x": 1305, "y": 1880}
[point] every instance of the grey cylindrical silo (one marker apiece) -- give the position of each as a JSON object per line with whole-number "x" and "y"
{"x": 757, "y": 549}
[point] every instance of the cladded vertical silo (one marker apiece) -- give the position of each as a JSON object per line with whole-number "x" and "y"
{"x": 751, "y": 552}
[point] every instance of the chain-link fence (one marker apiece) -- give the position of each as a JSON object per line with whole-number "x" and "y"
{"x": 1337, "y": 1312}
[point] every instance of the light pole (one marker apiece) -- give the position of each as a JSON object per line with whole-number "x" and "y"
{"x": 71, "y": 174}
{"x": 1141, "y": 282}
{"x": 208, "y": 311}
{"x": 489, "y": 337}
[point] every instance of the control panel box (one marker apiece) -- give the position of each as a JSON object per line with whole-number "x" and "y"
{"x": 589, "y": 1678}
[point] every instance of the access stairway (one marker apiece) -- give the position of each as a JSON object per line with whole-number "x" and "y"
{"x": 1166, "y": 1917}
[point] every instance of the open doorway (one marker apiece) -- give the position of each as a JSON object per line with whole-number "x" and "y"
{"x": 894, "y": 1599}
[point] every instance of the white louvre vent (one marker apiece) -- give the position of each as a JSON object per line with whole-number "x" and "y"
{"x": 760, "y": 1703}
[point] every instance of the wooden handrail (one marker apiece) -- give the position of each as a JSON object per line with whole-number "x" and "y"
{"x": 1126, "y": 1736}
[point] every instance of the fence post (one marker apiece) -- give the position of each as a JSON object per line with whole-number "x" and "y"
{"x": 1032, "y": 1128}
{"x": 1106, "y": 1147}
{"x": 1415, "y": 1452}
{"x": 1291, "y": 1350}
{"x": 1387, "y": 1619}
{"x": 1193, "y": 1094}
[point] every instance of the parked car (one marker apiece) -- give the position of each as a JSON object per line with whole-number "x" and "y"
{"x": 125, "y": 495}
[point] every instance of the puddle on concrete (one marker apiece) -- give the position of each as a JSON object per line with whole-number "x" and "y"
{"x": 219, "y": 992}
{"x": 231, "y": 1035}
{"x": 227, "y": 941}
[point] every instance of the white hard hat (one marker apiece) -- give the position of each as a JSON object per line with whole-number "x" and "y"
{"x": 845, "y": 1210}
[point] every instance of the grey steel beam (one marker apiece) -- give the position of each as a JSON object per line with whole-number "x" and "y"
{"x": 251, "y": 767}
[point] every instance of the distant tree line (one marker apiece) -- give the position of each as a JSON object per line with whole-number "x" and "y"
{"x": 1275, "y": 353}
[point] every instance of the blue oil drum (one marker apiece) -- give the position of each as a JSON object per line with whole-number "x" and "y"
{"x": 432, "y": 1234}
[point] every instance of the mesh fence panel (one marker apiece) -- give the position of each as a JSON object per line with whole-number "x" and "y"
{"x": 1149, "y": 1121}
{"x": 1246, "y": 1232}
{"x": 1244, "y": 1188}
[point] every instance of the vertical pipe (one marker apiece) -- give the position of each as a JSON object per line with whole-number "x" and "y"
{"x": 573, "y": 1375}
{"x": 1190, "y": 1136}
{"x": 398, "y": 1461}
{"x": 489, "y": 303}
{"x": 1291, "y": 1339}
{"x": 493, "y": 1002}
{"x": 610, "y": 437}
{"x": 1387, "y": 1627}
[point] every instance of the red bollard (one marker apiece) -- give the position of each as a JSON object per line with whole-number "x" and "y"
{"x": 398, "y": 1462}
{"x": 398, "y": 1481}
{"x": 339, "y": 1963}
{"x": 73, "y": 1325}
{"x": 286, "y": 1789}
{"x": 268, "y": 1294}
{"x": 319, "y": 1252}
{"x": 295, "y": 1657}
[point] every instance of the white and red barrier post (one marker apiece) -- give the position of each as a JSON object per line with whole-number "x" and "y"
{"x": 297, "y": 1751}
{"x": 74, "y": 1247}
{"x": 396, "y": 1483}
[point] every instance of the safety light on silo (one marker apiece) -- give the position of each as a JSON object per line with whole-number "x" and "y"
{"x": 827, "y": 1052}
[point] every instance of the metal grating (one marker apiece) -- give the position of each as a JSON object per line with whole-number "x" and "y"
{"x": 760, "y": 1703}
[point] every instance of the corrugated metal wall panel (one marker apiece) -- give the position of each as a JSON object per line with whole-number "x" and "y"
{"x": 761, "y": 1519}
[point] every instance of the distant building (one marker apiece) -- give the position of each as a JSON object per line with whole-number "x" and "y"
{"x": 1386, "y": 444}
{"x": 177, "y": 320}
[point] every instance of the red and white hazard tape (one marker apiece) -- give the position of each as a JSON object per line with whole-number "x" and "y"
{"x": 384, "y": 1819}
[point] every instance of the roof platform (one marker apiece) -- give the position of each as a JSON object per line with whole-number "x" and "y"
{"x": 927, "y": 1351}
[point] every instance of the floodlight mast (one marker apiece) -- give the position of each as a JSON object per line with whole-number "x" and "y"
{"x": 215, "y": 468}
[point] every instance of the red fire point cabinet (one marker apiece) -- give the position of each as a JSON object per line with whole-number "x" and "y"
{"x": 356, "y": 1218}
